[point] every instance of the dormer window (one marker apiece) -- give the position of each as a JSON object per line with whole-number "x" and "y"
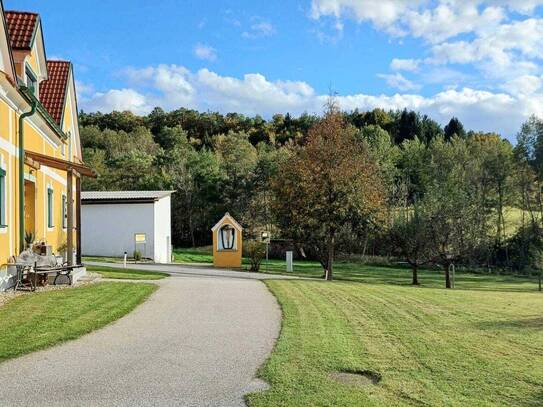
{"x": 31, "y": 81}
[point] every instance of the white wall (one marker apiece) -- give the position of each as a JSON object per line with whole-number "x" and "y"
{"x": 108, "y": 230}
{"x": 163, "y": 230}
{"x": 7, "y": 277}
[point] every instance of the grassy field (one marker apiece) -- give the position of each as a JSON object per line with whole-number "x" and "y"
{"x": 39, "y": 320}
{"x": 127, "y": 274}
{"x": 358, "y": 272}
{"x": 429, "y": 346}
{"x": 193, "y": 255}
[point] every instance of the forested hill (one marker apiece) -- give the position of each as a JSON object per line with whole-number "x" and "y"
{"x": 201, "y": 127}
{"x": 219, "y": 163}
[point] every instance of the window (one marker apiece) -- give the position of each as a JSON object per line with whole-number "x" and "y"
{"x": 31, "y": 81}
{"x": 2, "y": 198}
{"x": 227, "y": 238}
{"x": 64, "y": 212}
{"x": 49, "y": 207}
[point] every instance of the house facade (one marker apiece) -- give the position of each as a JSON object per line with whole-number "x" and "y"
{"x": 40, "y": 152}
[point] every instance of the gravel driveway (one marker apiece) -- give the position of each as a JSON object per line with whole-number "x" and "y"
{"x": 198, "y": 341}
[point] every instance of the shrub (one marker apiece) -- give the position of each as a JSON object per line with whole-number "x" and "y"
{"x": 137, "y": 255}
{"x": 256, "y": 251}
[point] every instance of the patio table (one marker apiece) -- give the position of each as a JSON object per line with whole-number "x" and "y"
{"x": 27, "y": 274}
{"x": 60, "y": 271}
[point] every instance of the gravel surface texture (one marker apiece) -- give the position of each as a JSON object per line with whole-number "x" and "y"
{"x": 198, "y": 341}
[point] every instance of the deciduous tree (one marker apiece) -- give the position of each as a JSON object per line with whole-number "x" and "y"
{"x": 330, "y": 182}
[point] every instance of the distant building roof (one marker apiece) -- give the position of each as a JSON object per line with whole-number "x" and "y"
{"x": 53, "y": 90}
{"x": 124, "y": 195}
{"x": 21, "y": 28}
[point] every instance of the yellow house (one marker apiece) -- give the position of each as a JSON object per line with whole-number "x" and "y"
{"x": 40, "y": 152}
{"x": 227, "y": 243}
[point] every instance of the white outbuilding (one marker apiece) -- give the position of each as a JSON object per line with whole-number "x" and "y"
{"x": 115, "y": 222}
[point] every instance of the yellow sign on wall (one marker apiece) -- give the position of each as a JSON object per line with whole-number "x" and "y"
{"x": 140, "y": 238}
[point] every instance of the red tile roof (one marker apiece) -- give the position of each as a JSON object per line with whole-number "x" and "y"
{"x": 21, "y": 28}
{"x": 53, "y": 90}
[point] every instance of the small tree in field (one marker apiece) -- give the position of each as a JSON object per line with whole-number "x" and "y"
{"x": 411, "y": 238}
{"x": 458, "y": 221}
{"x": 328, "y": 183}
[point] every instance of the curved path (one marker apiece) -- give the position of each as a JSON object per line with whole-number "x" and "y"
{"x": 198, "y": 341}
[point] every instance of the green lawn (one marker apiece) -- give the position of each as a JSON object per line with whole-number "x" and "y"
{"x": 358, "y": 272}
{"x": 205, "y": 255}
{"x": 39, "y": 320}
{"x": 431, "y": 346}
{"x": 193, "y": 255}
{"x": 127, "y": 274}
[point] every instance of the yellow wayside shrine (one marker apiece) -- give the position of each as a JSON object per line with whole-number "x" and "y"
{"x": 227, "y": 243}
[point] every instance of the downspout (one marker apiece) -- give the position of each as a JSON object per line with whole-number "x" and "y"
{"x": 22, "y": 117}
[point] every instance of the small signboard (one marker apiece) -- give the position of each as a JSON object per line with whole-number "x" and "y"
{"x": 140, "y": 238}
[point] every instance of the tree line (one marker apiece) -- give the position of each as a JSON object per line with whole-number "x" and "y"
{"x": 382, "y": 183}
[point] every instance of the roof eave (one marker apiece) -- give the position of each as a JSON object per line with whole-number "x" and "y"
{"x": 12, "y": 62}
{"x": 66, "y": 90}
{"x": 30, "y": 97}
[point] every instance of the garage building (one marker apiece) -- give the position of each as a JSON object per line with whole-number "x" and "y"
{"x": 115, "y": 222}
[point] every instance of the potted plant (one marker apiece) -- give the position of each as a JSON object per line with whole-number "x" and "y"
{"x": 63, "y": 251}
{"x": 29, "y": 240}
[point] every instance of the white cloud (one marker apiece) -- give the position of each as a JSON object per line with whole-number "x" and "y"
{"x": 259, "y": 29}
{"x": 382, "y": 13}
{"x": 167, "y": 85}
{"x": 398, "y": 81}
{"x": 118, "y": 100}
{"x": 449, "y": 20}
{"x": 172, "y": 86}
{"x": 410, "y": 65}
{"x": 500, "y": 40}
{"x": 205, "y": 52}
{"x": 433, "y": 20}
{"x": 524, "y": 85}
{"x": 478, "y": 110}
{"x": 523, "y": 37}
{"x": 83, "y": 89}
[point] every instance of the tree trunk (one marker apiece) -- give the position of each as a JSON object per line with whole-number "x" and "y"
{"x": 540, "y": 282}
{"x": 365, "y": 247}
{"x": 191, "y": 227}
{"x": 448, "y": 283}
{"x": 330, "y": 260}
{"x": 415, "y": 275}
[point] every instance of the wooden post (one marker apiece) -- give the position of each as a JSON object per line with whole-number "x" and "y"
{"x": 78, "y": 219}
{"x": 70, "y": 220}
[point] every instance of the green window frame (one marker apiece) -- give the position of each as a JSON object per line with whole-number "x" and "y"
{"x": 64, "y": 212}
{"x": 50, "y": 207}
{"x": 31, "y": 80}
{"x": 3, "y": 201}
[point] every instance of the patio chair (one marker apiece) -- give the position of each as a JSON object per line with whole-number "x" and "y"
{"x": 23, "y": 277}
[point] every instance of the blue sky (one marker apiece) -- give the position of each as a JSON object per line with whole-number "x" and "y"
{"x": 478, "y": 60}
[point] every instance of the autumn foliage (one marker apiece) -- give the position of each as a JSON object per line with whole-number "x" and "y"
{"x": 326, "y": 185}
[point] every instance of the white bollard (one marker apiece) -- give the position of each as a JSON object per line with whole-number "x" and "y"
{"x": 290, "y": 268}
{"x": 124, "y": 262}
